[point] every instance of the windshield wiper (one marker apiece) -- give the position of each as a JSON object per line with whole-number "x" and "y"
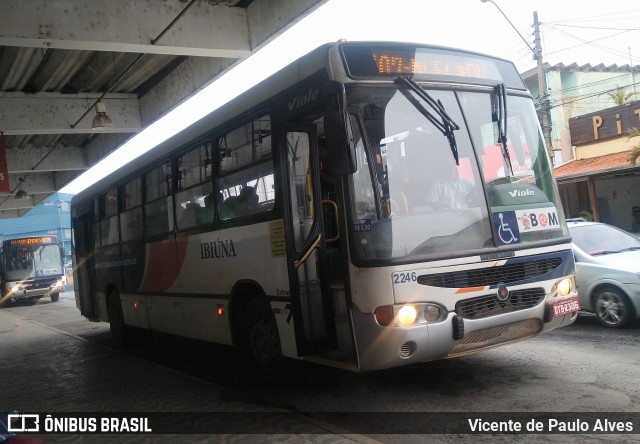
{"x": 499, "y": 116}
{"x": 446, "y": 126}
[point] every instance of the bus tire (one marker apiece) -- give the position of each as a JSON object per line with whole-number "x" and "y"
{"x": 55, "y": 297}
{"x": 119, "y": 330}
{"x": 261, "y": 343}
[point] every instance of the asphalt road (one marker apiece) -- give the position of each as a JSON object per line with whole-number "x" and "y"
{"x": 580, "y": 368}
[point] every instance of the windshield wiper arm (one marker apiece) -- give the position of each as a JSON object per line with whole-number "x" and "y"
{"x": 500, "y": 117}
{"x": 446, "y": 126}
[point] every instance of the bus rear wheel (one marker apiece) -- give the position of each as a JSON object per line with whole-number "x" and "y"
{"x": 261, "y": 343}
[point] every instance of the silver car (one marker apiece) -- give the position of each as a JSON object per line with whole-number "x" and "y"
{"x": 607, "y": 271}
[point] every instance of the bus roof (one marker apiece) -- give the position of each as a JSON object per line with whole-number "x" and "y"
{"x": 317, "y": 60}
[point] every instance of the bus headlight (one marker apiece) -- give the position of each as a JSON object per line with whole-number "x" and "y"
{"x": 407, "y": 315}
{"x": 564, "y": 287}
{"x": 434, "y": 313}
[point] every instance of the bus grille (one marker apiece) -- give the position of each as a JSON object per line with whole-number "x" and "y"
{"x": 39, "y": 283}
{"x": 490, "y": 305}
{"x": 500, "y": 334}
{"x": 483, "y": 277}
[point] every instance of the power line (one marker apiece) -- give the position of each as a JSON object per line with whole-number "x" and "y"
{"x": 586, "y": 85}
{"x": 592, "y": 95}
{"x": 586, "y": 42}
{"x": 600, "y": 17}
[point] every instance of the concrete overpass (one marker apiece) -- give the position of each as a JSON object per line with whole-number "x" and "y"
{"x": 139, "y": 59}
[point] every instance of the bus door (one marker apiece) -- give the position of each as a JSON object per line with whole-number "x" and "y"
{"x": 307, "y": 244}
{"x": 84, "y": 282}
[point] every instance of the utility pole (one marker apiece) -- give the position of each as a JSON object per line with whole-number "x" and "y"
{"x": 545, "y": 121}
{"x": 633, "y": 75}
{"x": 543, "y": 106}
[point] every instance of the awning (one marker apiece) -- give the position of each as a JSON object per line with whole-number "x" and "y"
{"x": 608, "y": 164}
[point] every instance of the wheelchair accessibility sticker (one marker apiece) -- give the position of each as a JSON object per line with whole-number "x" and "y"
{"x": 505, "y": 225}
{"x": 509, "y": 225}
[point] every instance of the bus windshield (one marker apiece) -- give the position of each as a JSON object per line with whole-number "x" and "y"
{"x": 22, "y": 262}
{"x": 413, "y": 198}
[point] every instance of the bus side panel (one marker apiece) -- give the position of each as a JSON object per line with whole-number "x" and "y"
{"x": 107, "y": 264}
{"x": 216, "y": 261}
{"x": 133, "y": 265}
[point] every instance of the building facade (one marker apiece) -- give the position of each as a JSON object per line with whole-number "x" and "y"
{"x": 601, "y": 180}
{"x": 588, "y": 132}
{"x": 575, "y": 90}
{"x": 50, "y": 217}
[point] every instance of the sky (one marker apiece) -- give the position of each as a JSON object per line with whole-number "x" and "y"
{"x": 572, "y": 31}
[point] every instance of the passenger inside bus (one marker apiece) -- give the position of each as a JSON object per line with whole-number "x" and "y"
{"x": 228, "y": 207}
{"x": 247, "y": 201}
{"x": 206, "y": 214}
{"x": 190, "y": 216}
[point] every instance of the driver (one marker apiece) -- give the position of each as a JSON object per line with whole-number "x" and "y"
{"x": 450, "y": 191}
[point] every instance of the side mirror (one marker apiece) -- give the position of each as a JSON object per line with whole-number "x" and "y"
{"x": 339, "y": 139}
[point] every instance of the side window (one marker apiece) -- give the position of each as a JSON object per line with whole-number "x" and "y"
{"x": 194, "y": 199}
{"x": 158, "y": 207}
{"x": 109, "y": 229}
{"x": 131, "y": 216}
{"x": 364, "y": 198}
{"x": 246, "y": 181}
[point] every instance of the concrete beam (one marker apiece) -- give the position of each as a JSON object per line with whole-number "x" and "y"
{"x": 205, "y": 29}
{"x": 268, "y": 19}
{"x": 37, "y": 186}
{"x": 53, "y": 113}
{"x": 62, "y": 158}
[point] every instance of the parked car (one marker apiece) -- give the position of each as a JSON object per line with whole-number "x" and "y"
{"x": 607, "y": 271}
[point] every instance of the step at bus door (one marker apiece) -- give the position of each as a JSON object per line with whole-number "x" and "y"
{"x": 306, "y": 247}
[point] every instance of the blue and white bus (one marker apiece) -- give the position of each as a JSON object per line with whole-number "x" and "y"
{"x": 31, "y": 267}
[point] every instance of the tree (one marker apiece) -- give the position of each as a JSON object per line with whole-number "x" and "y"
{"x": 635, "y": 149}
{"x": 620, "y": 97}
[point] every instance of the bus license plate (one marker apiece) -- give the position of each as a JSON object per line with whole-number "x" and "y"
{"x": 561, "y": 308}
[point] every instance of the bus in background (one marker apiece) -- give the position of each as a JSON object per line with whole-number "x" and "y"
{"x": 30, "y": 268}
{"x": 371, "y": 205}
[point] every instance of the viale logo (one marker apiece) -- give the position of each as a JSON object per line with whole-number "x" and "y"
{"x": 521, "y": 193}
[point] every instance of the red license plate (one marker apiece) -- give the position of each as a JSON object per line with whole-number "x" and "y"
{"x": 565, "y": 306}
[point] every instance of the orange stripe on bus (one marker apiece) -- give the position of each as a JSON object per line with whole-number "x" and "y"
{"x": 469, "y": 289}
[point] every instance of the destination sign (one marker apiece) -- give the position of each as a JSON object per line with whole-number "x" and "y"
{"x": 427, "y": 63}
{"x": 33, "y": 240}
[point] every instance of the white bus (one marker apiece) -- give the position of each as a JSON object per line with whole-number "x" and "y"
{"x": 31, "y": 267}
{"x": 371, "y": 205}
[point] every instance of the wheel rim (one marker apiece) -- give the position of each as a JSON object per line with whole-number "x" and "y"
{"x": 610, "y": 308}
{"x": 263, "y": 341}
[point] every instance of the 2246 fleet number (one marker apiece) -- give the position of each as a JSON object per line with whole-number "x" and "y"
{"x": 404, "y": 278}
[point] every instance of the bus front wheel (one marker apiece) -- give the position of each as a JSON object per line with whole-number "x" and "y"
{"x": 261, "y": 342}
{"x": 55, "y": 297}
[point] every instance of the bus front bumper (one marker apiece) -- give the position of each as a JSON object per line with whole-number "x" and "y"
{"x": 383, "y": 347}
{"x": 17, "y": 294}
